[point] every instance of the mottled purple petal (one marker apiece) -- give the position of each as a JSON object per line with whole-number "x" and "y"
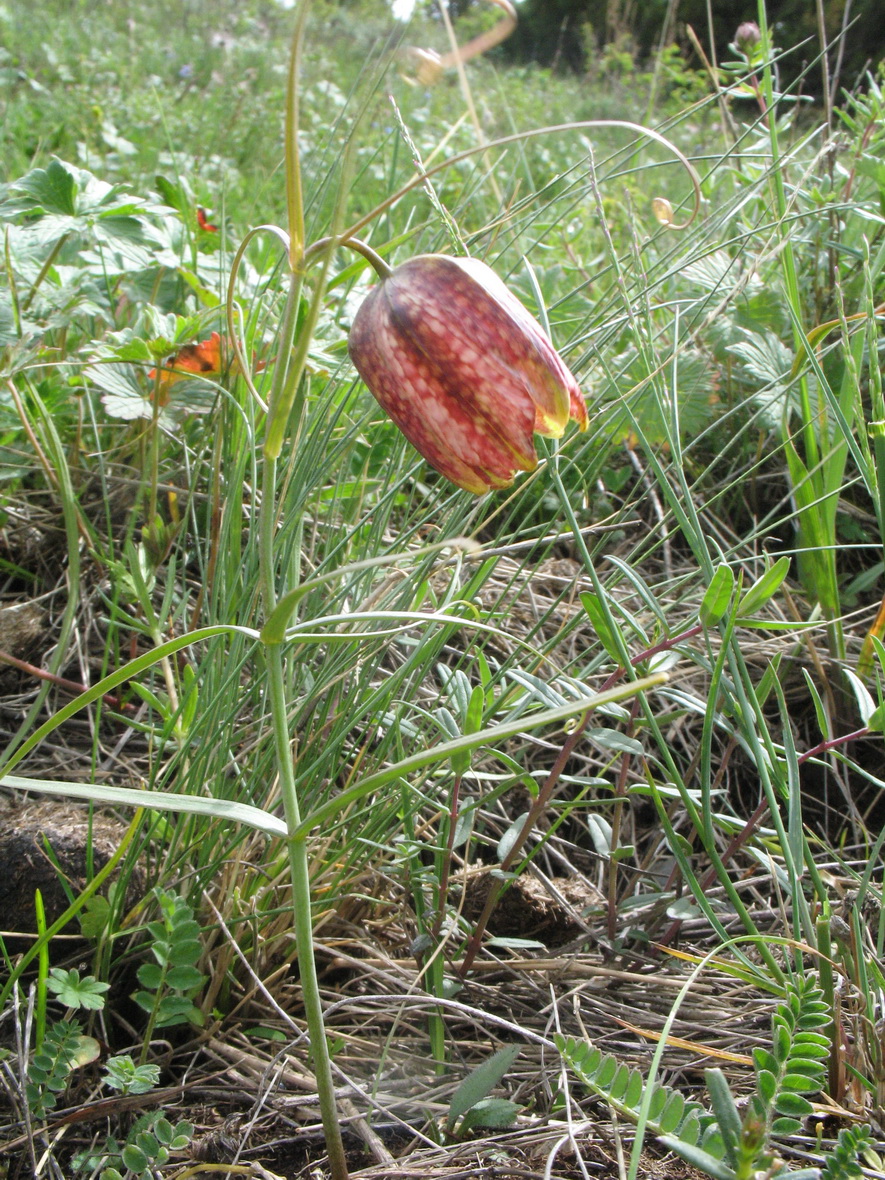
{"x": 462, "y": 368}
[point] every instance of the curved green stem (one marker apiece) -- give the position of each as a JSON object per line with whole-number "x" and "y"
{"x": 346, "y": 236}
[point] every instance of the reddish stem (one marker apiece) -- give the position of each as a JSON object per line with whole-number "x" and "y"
{"x": 832, "y": 744}
{"x": 71, "y": 685}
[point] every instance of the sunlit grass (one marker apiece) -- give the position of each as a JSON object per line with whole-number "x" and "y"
{"x": 703, "y": 398}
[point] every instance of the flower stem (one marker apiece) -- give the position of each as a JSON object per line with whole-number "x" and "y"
{"x": 299, "y": 870}
{"x": 288, "y": 401}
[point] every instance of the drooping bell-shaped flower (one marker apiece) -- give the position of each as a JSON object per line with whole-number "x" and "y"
{"x": 463, "y": 369}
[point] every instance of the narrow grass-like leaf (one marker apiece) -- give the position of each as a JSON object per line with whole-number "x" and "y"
{"x": 724, "y": 1109}
{"x": 223, "y": 809}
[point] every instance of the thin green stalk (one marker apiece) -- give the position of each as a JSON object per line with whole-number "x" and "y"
{"x": 42, "y": 971}
{"x": 518, "y": 137}
{"x": 52, "y": 456}
{"x": 299, "y": 869}
{"x": 430, "y": 961}
{"x": 287, "y": 400}
{"x": 296, "y": 846}
{"x": 816, "y": 530}
{"x": 44, "y": 271}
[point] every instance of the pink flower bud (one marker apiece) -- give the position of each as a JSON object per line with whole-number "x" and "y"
{"x": 747, "y": 37}
{"x": 463, "y": 369}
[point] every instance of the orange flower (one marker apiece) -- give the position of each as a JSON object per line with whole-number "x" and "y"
{"x": 201, "y": 358}
{"x": 203, "y": 222}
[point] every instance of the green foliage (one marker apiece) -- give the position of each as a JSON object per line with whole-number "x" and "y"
{"x": 152, "y": 1139}
{"x": 843, "y": 1159}
{"x": 405, "y": 670}
{"x": 471, "y": 1099}
{"x": 148, "y": 1146}
{"x": 171, "y": 982}
{"x": 791, "y": 1069}
{"x": 625, "y": 1089}
{"x": 74, "y": 992}
{"x": 722, "y": 1142}
{"x": 64, "y": 1048}
{"x": 122, "y": 1073}
{"x": 796, "y": 1064}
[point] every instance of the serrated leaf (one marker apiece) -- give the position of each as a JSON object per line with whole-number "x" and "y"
{"x": 174, "y": 194}
{"x": 94, "y": 916}
{"x": 477, "y": 1084}
{"x": 53, "y": 188}
{"x": 74, "y": 992}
